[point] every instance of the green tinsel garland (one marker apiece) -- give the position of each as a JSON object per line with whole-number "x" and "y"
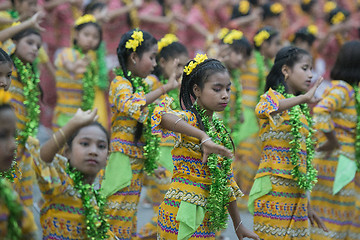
{"x": 91, "y": 76}
{"x": 96, "y": 223}
{"x": 10, "y": 201}
{"x": 220, "y": 169}
{"x": 308, "y": 180}
{"x": 103, "y": 81}
{"x": 9, "y": 174}
{"x": 260, "y": 63}
{"x": 31, "y": 93}
{"x": 235, "y": 75}
{"x": 357, "y": 140}
{"x": 174, "y": 94}
{"x": 151, "y": 149}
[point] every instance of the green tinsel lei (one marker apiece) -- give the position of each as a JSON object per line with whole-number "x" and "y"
{"x": 308, "y": 180}
{"x": 174, "y": 94}
{"x": 9, "y": 199}
{"x": 357, "y": 140}
{"x": 260, "y": 63}
{"x": 103, "y": 81}
{"x": 31, "y": 92}
{"x": 220, "y": 169}
{"x": 235, "y": 75}
{"x": 95, "y": 219}
{"x": 91, "y": 76}
{"x": 151, "y": 149}
{"x": 10, "y": 174}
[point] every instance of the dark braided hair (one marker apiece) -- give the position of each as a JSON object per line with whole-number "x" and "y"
{"x": 198, "y": 76}
{"x": 4, "y": 57}
{"x": 123, "y": 55}
{"x": 288, "y": 56}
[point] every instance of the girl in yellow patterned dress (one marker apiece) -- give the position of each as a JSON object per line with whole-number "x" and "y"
{"x": 16, "y": 221}
{"x": 25, "y": 91}
{"x": 73, "y": 209}
{"x": 133, "y": 148}
{"x": 171, "y": 59}
{"x": 77, "y": 73}
{"x": 337, "y": 119}
{"x": 278, "y": 197}
{"x": 202, "y": 188}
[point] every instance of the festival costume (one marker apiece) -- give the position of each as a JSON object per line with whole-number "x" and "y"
{"x": 70, "y": 89}
{"x": 127, "y": 157}
{"x": 279, "y": 204}
{"x": 25, "y": 175}
{"x": 189, "y": 188}
{"x": 336, "y": 112}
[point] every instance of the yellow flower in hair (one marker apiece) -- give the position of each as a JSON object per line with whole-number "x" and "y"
{"x": 276, "y": 8}
{"x": 338, "y": 18}
{"x": 85, "y": 19}
{"x": 233, "y": 35}
{"x": 329, "y": 6}
{"x": 5, "y": 97}
{"x": 137, "y": 39}
{"x": 244, "y": 7}
{"x": 15, "y": 23}
{"x": 306, "y": 2}
{"x": 312, "y": 29}
{"x": 223, "y": 33}
{"x": 166, "y": 41}
{"x": 261, "y": 37}
{"x": 194, "y": 63}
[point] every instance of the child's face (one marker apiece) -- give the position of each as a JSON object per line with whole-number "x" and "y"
{"x": 272, "y": 47}
{"x": 145, "y": 65}
{"x": 303, "y": 44}
{"x": 215, "y": 94}
{"x": 5, "y": 75}
{"x": 300, "y": 75}
{"x": 89, "y": 151}
{"x": 168, "y": 66}
{"x": 27, "y": 48}
{"x": 235, "y": 60}
{"x": 26, "y": 8}
{"x": 88, "y": 38}
{"x": 7, "y": 138}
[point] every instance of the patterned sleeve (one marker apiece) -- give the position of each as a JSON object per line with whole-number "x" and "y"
{"x": 333, "y": 99}
{"x": 235, "y": 189}
{"x": 268, "y": 104}
{"x": 164, "y": 107}
{"x": 125, "y": 101}
{"x": 52, "y": 178}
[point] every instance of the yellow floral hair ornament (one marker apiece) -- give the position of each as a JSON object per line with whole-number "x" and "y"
{"x": 261, "y": 37}
{"x": 276, "y": 8}
{"x": 194, "y": 63}
{"x": 166, "y": 41}
{"x": 313, "y": 29}
{"x": 85, "y": 19}
{"x": 338, "y": 18}
{"x": 137, "y": 39}
{"x": 223, "y": 33}
{"x": 244, "y": 7}
{"x": 15, "y": 23}
{"x": 306, "y": 2}
{"x": 5, "y": 97}
{"x": 233, "y": 35}
{"x": 329, "y": 6}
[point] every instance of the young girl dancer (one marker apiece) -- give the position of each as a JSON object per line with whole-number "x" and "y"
{"x": 77, "y": 72}
{"x": 73, "y": 209}
{"x": 278, "y": 197}
{"x": 337, "y": 121}
{"x": 202, "y": 186}
{"x": 171, "y": 59}
{"x": 133, "y": 147}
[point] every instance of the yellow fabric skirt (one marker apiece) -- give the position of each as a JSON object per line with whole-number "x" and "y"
{"x": 282, "y": 213}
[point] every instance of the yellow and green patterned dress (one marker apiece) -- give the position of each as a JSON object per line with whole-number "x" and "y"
{"x": 340, "y": 212}
{"x": 127, "y": 109}
{"x": 282, "y": 212}
{"x": 25, "y": 175}
{"x": 70, "y": 90}
{"x": 191, "y": 178}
